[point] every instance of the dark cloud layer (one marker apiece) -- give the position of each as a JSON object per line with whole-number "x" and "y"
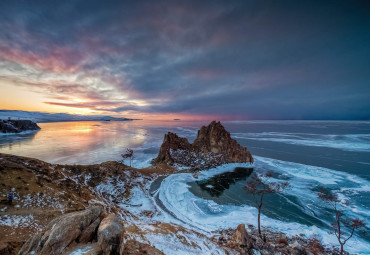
{"x": 242, "y": 59}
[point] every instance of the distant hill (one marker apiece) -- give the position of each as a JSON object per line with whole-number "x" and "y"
{"x": 54, "y": 117}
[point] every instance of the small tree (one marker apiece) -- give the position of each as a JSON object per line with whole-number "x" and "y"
{"x": 259, "y": 189}
{"x": 351, "y": 223}
{"x": 129, "y": 154}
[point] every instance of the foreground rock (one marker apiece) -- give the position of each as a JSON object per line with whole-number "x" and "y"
{"x": 109, "y": 235}
{"x": 213, "y": 146}
{"x": 133, "y": 247}
{"x": 61, "y": 233}
{"x": 68, "y": 233}
{"x": 17, "y": 126}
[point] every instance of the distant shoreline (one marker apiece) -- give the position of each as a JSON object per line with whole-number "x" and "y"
{"x": 56, "y": 121}
{"x": 43, "y": 117}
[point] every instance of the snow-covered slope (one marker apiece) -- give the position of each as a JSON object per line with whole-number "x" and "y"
{"x": 54, "y": 117}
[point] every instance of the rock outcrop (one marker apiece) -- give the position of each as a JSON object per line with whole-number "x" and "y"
{"x": 216, "y": 140}
{"x": 109, "y": 235}
{"x": 17, "y": 126}
{"x": 133, "y": 247}
{"x": 241, "y": 240}
{"x": 61, "y": 232}
{"x": 213, "y": 146}
{"x": 171, "y": 142}
{"x": 68, "y": 233}
{"x": 82, "y": 227}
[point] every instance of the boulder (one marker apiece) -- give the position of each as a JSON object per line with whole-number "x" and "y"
{"x": 61, "y": 232}
{"x": 133, "y": 247}
{"x": 241, "y": 242}
{"x": 213, "y": 146}
{"x": 109, "y": 235}
{"x": 241, "y": 239}
{"x": 88, "y": 234}
{"x": 241, "y": 236}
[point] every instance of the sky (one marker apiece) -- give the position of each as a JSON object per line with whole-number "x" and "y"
{"x": 226, "y": 60}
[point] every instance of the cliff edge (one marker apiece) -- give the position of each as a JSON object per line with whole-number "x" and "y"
{"x": 213, "y": 146}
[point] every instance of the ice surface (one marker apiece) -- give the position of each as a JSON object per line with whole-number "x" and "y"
{"x": 207, "y": 216}
{"x": 348, "y": 142}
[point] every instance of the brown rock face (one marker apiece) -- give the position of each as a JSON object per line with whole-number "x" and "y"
{"x": 240, "y": 236}
{"x": 213, "y": 146}
{"x": 133, "y": 247}
{"x": 109, "y": 235}
{"x": 171, "y": 142}
{"x": 88, "y": 234}
{"x": 215, "y": 139}
{"x": 241, "y": 241}
{"x": 61, "y": 232}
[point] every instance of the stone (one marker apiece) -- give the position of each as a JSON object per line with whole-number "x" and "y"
{"x": 109, "y": 234}
{"x": 61, "y": 232}
{"x": 241, "y": 241}
{"x": 213, "y": 146}
{"x": 241, "y": 236}
{"x": 88, "y": 234}
{"x": 171, "y": 142}
{"x": 133, "y": 247}
{"x": 215, "y": 139}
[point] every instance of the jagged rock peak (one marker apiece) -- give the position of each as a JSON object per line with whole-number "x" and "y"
{"x": 215, "y": 139}
{"x": 171, "y": 142}
{"x": 213, "y": 146}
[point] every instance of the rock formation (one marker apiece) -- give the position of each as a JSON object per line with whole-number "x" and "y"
{"x": 61, "y": 233}
{"x": 171, "y": 142}
{"x": 215, "y": 139}
{"x": 133, "y": 247}
{"x": 241, "y": 238}
{"x": 66, "y": 234}
{"x": 109, "y": 235}
{"x": 17, "y": 126}
{"x": 213, "y": 146}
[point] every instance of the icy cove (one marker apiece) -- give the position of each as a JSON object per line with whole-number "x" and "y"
{"x": 176, "y": 207}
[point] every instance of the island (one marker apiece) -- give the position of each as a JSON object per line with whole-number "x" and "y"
{"x": 17, "y": 126}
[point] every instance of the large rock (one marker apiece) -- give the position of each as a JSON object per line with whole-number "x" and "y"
{"x": 213, "y": 146}
{"x": 241, "y": 241}
{"x": 61, "y": 233}
{"x": 216, "y": 140}
{"x": 171, "y": 142}
{"x": 88, "y": 234}
{"x": 241, "y": 236}
{"x": 109, "y": 235}
{"x": 17, "y": 126}
{"x": 133, "y": 247}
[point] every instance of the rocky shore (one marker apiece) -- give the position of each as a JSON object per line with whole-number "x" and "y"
{"x": 17, "y": 126}
{"x": 110, "y": 208}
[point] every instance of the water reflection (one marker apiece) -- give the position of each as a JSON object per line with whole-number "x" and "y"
{"x": 92, "y": 142}
{"x": 9, "y": 141}
{"x": 216, "y": 185}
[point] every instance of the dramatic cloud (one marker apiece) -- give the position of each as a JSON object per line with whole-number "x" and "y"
{"x": 231, "y": 59}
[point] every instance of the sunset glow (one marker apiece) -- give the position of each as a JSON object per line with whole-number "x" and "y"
{"x": 186, "y": 60}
